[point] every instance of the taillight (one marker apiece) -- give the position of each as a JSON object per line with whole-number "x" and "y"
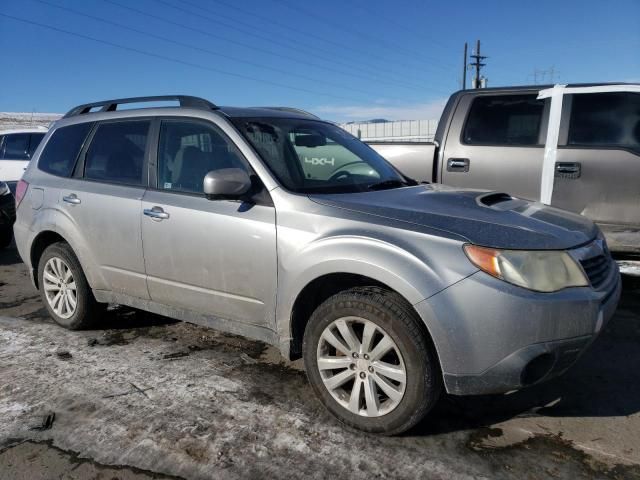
{"x": 21, "y": 189}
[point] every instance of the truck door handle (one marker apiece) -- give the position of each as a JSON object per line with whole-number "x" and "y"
{"x": 72, "y": 199}
{"x": 569, "y": 170}
{"x": 458, "y": 165}
{"x": 156, "y": 213}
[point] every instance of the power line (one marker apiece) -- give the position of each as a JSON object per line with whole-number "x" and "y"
{"x": 306, "y": 33}
{"x": 552, "y": 72}
{"x": 170, "y": 59}
{"x": 195, "y": 47}
{"x": 404, "y": 27}
{"x": 395, "y": 47}
{"x": 260, "y": 49}
{"x": 250, "y": 30}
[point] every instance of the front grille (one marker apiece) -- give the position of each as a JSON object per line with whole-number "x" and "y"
{"x": 597, "y": 269}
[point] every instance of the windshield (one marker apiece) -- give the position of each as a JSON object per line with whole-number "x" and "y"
{"x": 309, "y": 156}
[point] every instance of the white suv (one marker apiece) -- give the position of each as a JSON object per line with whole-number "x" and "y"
{"x": 16, "y": 149}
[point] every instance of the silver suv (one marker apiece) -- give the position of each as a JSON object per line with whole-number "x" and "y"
{"x": 389, "y": 290}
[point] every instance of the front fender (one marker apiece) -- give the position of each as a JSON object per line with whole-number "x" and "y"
{"x": 414, "y": 273}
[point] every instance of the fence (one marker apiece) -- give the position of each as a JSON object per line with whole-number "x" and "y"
{"x": 398, "y": 131}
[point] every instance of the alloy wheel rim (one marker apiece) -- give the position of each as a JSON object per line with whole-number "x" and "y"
{"x": 60, "y": 287}
{"x": 361, "y": 366}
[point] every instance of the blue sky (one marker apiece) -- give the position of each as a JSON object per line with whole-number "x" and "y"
{"x": 345, "y": 60}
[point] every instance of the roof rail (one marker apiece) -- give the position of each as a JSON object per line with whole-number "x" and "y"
{"x": 292, "y": 110}
{"x": 112, "y": 105}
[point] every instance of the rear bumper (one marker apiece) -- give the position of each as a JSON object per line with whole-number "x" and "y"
{"x": 24, "y": 238}
{"x": 493, "y": 337}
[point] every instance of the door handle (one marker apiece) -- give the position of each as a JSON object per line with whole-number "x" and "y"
{"x": 458, "y": 165}
{"x": 156, "y": 213}
{"x": 72, "y": 199}
{"x": 569, "y": 170}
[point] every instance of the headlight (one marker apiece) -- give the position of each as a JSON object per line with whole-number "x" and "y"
{"x": 539, "y": 270}
{"x": 4, "y": 189}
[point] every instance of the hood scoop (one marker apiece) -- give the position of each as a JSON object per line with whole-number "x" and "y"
{"x": 500, "y": 201}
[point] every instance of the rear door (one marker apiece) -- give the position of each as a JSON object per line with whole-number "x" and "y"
{"x": 103, "y": 199}
{"x": 597, "y": 171}
{"x": 498, "y": 144}
{"x": 214, "y": 257}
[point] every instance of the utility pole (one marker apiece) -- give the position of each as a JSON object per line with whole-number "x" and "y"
{"x": 464, "y": 67}
{"x": 477, "y": 83}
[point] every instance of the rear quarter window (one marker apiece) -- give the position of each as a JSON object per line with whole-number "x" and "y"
{"x": 61, "y": 151}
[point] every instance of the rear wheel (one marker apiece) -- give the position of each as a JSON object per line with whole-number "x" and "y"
{"x": 370, "y": 362}
{"x": 64, "y": 289}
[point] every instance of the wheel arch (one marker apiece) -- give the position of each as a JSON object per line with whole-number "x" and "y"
{"x": 47, "y": 237}
{"x": 40, "y": 243}
{"x": 316, "y": 291}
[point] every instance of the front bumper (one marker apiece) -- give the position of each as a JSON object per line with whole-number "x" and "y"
{"x": 494, "y": 337}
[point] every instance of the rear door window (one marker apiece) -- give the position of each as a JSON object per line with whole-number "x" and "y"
{"x": 16, "y": 146}
{"x": 605, "y": 120}
{"x": 34, "y": 141}
{"x": 117, "y": 152}
{"x": 504, "y": 120}
{"x": 61, "y": 151}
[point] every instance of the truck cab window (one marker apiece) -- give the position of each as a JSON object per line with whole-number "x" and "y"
{"x": 505, "y": 120}
{"x": 610, "y": 120}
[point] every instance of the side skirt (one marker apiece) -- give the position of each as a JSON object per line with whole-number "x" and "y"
{"x": 254, "y": 332}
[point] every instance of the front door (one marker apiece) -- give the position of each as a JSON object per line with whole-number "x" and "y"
{"x": 499, "y": 145}
{"x": 215, "y": 257}
{"x": 597, "y": 170}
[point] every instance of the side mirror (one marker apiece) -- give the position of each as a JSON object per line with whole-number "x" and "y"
{"x": 226, "y": 183}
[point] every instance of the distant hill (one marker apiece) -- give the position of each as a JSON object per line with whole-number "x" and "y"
{"x": 11, "y": 120}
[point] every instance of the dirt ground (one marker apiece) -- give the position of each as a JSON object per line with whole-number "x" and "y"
{"x": 146, "y": 397}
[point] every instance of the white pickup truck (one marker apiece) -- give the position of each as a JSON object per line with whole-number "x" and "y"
{"x": 576, "y": 147}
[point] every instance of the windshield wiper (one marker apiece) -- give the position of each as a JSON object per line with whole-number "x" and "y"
{"x": 387, "y": 184}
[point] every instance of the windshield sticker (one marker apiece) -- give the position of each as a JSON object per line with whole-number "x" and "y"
{"x": 320, "y": 161}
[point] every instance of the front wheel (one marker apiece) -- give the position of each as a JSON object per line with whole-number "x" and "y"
{"x": 370, "y": 362}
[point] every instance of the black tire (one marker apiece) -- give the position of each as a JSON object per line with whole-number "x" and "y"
{"x": 88, "y": 311}
{"x": 6, "y": 236}
{"x": 395, "y": 316}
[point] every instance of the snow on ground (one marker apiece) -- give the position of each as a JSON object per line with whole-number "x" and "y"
{"x": 13, "y": 120}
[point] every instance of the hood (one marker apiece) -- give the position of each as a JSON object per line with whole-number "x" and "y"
{"x": 489, "y": 219}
